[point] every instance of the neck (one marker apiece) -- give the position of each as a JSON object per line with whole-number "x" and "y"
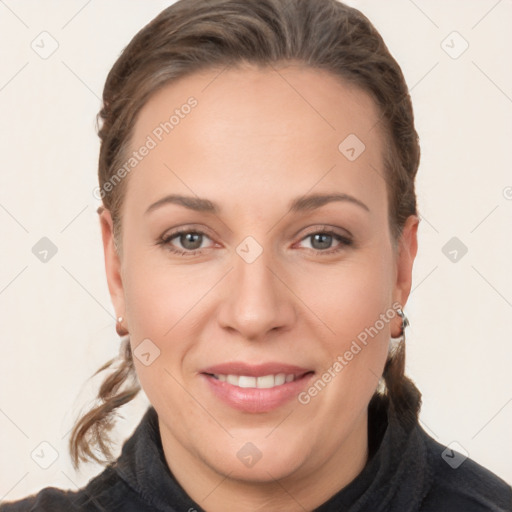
{"x": 306, "y": 488}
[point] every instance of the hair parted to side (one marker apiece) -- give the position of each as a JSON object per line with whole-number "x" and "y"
{"x": 195, "y": 35}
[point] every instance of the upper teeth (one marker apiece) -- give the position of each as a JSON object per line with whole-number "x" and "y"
{"x": 266, "y": 381}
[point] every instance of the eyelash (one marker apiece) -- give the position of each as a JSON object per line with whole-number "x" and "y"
{"x": 344, "y": 242}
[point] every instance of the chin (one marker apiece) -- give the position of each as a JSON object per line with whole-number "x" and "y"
{"x": 265, "y": 470}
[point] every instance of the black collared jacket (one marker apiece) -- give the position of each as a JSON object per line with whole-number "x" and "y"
{"x": 407, "y": 471}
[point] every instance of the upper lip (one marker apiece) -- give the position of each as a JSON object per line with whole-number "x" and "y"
{"x": 255, "y": 370}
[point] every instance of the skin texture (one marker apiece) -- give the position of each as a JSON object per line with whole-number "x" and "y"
{"x": 258, "y": 138}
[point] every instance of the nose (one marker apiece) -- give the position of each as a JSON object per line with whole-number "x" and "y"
{"x": 257, "y": 299}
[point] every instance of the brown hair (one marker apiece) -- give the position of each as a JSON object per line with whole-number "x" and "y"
{"x": 193, "y": 35}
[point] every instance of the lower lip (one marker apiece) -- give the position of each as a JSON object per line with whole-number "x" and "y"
{"x": 256, "y": 400}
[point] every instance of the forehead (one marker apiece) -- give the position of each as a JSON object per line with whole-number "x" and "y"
{"x": 254, "y": 126}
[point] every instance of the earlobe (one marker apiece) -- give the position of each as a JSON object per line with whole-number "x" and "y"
{"x": 112, "y": 262}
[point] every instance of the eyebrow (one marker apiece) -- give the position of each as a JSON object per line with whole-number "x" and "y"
{"x": 303, "y": 203}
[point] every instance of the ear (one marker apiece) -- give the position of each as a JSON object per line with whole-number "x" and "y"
{"x": 406, "y": 253}
{"x": 112, "y": 263}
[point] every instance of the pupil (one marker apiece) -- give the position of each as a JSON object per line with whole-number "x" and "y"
{"x": 189, "y": 237}
{"x": 325, "y": 240}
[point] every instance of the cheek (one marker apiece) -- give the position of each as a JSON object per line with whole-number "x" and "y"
{"x": 161, "y": 297}
{"x": 160, "y": 303}
{"x": 165, "y": 304}
{"x": 351, "y": 298}
{"x": 354, "y": 304}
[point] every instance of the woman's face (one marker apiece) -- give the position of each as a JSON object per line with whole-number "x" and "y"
{"x": 284, "y": 266}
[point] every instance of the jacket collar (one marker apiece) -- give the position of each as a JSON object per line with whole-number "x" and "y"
{"x": 396, "y": 476}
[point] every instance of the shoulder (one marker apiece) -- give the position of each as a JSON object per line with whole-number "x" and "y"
{"x": 106, "y": 491}
{"x": 49, "y": 498}
{"x": 460, "y": 484}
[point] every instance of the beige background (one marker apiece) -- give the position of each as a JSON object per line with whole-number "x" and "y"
{"x": 56, "y": 319}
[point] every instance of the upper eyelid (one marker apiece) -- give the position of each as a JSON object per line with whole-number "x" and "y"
{"x": 185, "y": 230}
{"x": 330, "y": 229}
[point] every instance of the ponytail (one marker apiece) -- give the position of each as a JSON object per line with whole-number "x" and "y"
{"x": 92, "y": 429}
{"x": 404, "y": 397}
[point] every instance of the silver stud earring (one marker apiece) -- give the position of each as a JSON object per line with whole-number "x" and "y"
{"x": 405, "y": 321}
{"x": 394, "y": 343}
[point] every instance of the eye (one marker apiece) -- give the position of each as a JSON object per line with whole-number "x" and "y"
{"x": 190, "y": 241}
{"x": 321, "y": 241}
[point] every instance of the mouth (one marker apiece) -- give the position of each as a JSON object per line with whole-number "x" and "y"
{"x": 256, "y": 388}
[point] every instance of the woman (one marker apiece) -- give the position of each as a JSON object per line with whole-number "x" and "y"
{"x": 259, "y": 223}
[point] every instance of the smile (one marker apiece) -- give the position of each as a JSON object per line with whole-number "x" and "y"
{"x": 255, "y": 388}
{"x": 248, "y": 381}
